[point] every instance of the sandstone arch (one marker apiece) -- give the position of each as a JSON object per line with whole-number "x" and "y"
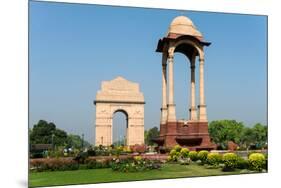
{"x": 122, "y": 95}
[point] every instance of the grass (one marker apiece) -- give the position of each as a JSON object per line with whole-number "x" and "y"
{"x": 107, "y": 175}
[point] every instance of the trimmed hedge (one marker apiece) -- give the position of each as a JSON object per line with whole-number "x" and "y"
{"x": 230, "y": 161}
{"x": 202, "y": 156}
{"x": 184, "y": 152}
{"x": 193, "y": 155}
{"x": 53, "y": 164}
{"x": 257, "y": 161}
{"x": 214, "y": 158}
{"x": 177, "y": 148}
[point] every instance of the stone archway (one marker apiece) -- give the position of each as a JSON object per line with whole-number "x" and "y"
{"x": 116, "y": 95}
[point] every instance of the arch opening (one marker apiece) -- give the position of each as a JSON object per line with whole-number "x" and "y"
{"x": 187, "y": 49}
{"x": 182, "y": 85}
{"x": 119, "y": 127}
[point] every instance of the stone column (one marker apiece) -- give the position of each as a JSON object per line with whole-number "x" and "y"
{"x": 171, "y": 104}
{"x": 192, "y": 109}
{"x": 202, "y": 105}
{"x": 164, "y": 89}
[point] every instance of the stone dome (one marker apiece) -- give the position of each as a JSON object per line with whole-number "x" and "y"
{"x": 183, "y": 26}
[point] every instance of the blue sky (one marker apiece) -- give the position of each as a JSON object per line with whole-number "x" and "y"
{"x": 74, "y": 47}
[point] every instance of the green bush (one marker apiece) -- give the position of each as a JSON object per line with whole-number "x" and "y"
{"x": 202, "y": 155}
{"x": 193, "y": 155}
{"x": 174, "y": 155}
{"x": 173, "y": 152}
{"x": 177, "y": 148}
{"x": 242, "y": 163}
{"x": 230, "y": 161}
{"x": 184, "y": 152}
{"x": 214, "y": 158}
{"x": 257, "y": 161}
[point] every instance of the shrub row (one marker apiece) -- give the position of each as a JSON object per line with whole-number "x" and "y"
{"x": 228, "y": 161}
{"x": 53, "y": 164}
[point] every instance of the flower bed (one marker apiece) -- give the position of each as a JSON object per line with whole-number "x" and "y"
{"x": 53, "y": 164}
{"x": 136, "y": 164}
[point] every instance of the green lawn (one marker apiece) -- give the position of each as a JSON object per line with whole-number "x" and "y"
{"x": 107, "y": 175}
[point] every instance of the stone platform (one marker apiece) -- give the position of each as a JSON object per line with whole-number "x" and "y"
{"x": 191, "y": 134}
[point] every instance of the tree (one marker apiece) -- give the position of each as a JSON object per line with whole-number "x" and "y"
{"x": 260, "y": 135}
{"x": 149, "y": 134}
{"x": 60, "y": 137}
{"x": 222, "y": 131}
{"x": 43, "y": 132}
{"x": 247, "y": 138}
{"x": 75, "y": 141}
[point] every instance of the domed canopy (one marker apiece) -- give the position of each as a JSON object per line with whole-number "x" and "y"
{"x": 182, "y": 28}
{"x": 182, "y": 25}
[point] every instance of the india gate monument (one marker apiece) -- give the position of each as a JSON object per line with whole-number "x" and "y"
{"x": 122, "y": 95}
{"x": 119, "y": 95}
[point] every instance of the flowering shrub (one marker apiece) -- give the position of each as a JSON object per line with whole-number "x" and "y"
{"x": 193, "y": 155}
{"x": 127, "y": 149}
{"x": 53, "y": 164}
{"x": 103, "y": 151}
{"x": 138, "y": 158}
{"x": 184, "y": 152}
{"x": 174, "y": 155}
{"x": 202, "y": 156}
{"x": 177, "y": 148}
{"x": 230, "y": 161}
{"x": 178, "y": 154}
{"x": 135, "y": 164}
{"x": 214, "y": 158}
{"x": 257, "y": 161}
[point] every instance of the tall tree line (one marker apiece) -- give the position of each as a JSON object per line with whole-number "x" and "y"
{"x": 47, "y": 133}
{"x": 223, "y": 131}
